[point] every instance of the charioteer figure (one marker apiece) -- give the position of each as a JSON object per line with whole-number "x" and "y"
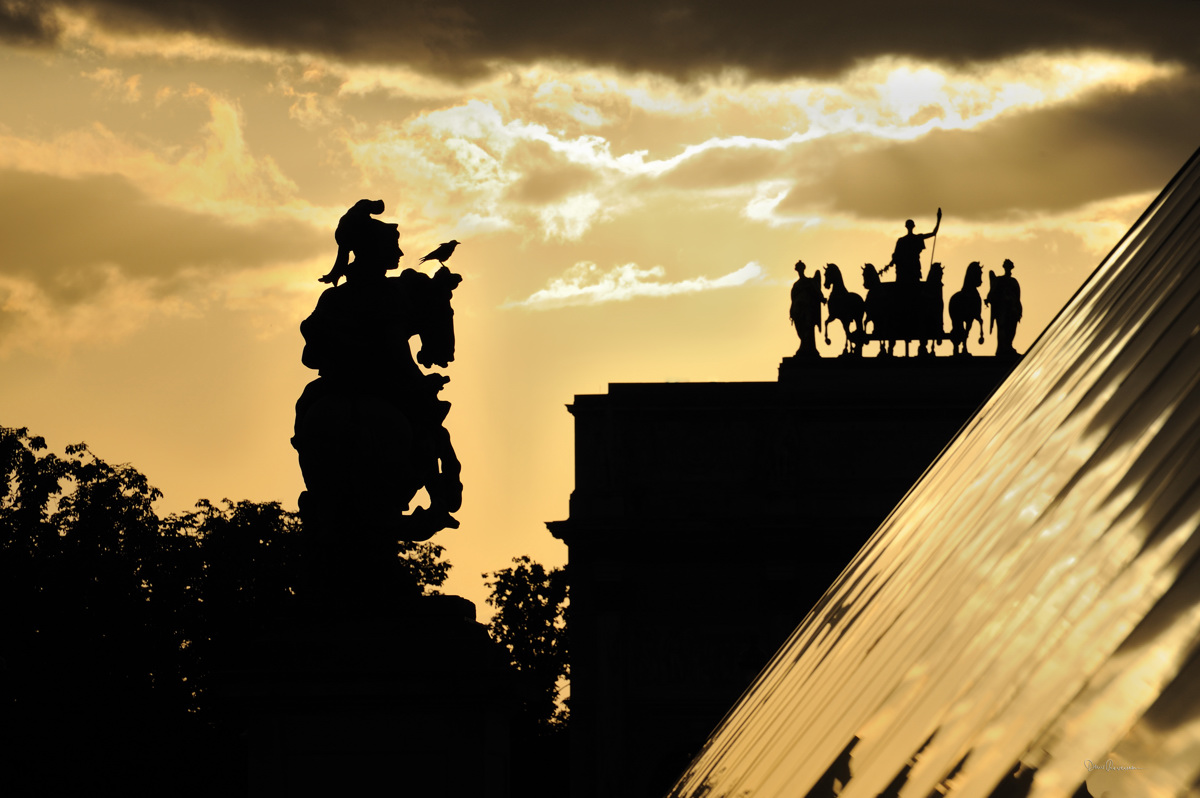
{"x": 907, "y": 309}
{"x": 906, "y": 257}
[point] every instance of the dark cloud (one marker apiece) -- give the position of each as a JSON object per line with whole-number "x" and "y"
{"x": 25, "y": 22}
{"x": 678, "y": 38}
{"x": 1050, "y": 160}
{"x": 67, "y": 235}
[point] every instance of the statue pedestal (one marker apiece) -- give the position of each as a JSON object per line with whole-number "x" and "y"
{"x": 970, "y": 379}
{"x": 418, "y": 704}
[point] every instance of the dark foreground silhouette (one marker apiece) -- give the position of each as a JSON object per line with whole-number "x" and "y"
{"x": 120, "y": 629}
{"x": 369, "y": 430}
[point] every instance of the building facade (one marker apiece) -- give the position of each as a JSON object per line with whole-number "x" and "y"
{"x": 708, "y": 519}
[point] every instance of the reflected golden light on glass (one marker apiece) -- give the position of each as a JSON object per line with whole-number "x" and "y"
{"x": 1038, "y": 589}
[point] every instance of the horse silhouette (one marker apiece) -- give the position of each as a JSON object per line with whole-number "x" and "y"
{"x": 846, "y": 307}
{"x": 966, "y": 307}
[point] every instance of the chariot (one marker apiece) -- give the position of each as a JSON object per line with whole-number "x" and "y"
{"x": 894, "y": 312}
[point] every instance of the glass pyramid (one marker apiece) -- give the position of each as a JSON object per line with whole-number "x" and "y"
{"x": 1026, "y": 621}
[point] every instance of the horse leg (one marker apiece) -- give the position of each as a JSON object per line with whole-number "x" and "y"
{"x": 851, "y": 343}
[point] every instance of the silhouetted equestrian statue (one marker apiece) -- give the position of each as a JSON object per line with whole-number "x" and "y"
{"x": 1004, "y": 298}
{"x": 805, "y": 311}
{"x": 369, "y": 429}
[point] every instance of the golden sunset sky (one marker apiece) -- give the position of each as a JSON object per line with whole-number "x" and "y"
{"x": 631, "y": 184}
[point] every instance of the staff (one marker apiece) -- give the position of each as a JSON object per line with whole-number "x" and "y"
{"x": 933, "y": 249}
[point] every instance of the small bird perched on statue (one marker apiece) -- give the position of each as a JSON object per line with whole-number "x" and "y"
{"x": 442, "y": 253}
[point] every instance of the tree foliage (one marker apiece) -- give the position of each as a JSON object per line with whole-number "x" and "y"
{"x": 531, "y": 624}
{"x": 113, "y": 619}
{"x": 424, "y": 564}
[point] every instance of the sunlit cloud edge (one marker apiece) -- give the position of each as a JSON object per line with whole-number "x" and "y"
{"x": 585, "y": 284}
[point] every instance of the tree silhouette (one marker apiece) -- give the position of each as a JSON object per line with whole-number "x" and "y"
{"x": 424, "y": 564}
{"x": 113, "y": 622}
{"x": 531, "y": 623}
{"x": 91, "y": 623}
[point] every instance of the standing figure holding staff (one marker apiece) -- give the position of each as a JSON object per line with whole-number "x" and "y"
{"x": 906, "y": 257}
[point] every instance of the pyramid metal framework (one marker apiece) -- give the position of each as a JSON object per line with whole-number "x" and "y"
{"x": 1026, "y": 621}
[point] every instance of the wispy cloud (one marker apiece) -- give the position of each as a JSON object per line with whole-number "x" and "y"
{"x": 585, "y": 284}
{"x": 547, "y": 153}
{"x": 114, "y": 84}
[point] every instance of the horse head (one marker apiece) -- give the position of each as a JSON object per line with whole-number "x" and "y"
{"x": 974, "y": 276}
{"x": 833, "y": 275}
{"x": 429, "y": 315}
{"x": 870, "y": 276}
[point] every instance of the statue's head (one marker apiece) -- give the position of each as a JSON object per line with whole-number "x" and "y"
{"x": 800, "y": 267}
{"x": 909, "y": 224}
{"x": 1007, "y": 266}
{"x": 375, "y": 244}
{"x": 376, "y": 248}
